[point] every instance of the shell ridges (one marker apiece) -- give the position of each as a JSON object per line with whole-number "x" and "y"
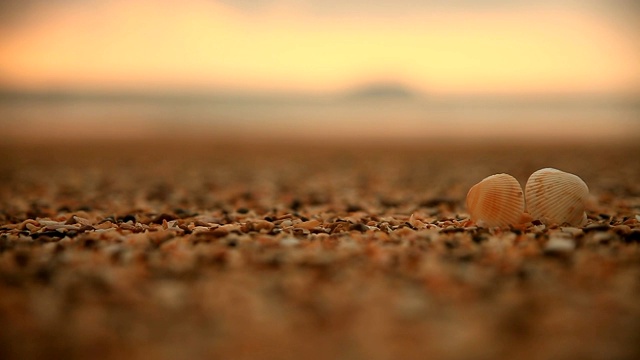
{"x": 497, "y": 200}
{"x": 556, "y": 197}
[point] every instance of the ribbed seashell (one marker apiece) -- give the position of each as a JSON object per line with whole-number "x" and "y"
{"x": 496, "y": 201}
{"x": 556, "y": 197}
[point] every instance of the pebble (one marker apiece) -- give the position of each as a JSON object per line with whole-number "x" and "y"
{"x": 29, "y": 223}
{"x": 263, "y": 225}
{"x": 622, "y": 229}
{"x": 289, "y": 241}
{"x": 572, "y": 230}
{"x": 308, "y": 225}
{"x": 105, "y": 225}
{"x": 559, "y": 244}
{"x": 596, "y": 227}
{"x": 61, "y": 226}
{"x": 81, "y": 220}
{"x": 601, "y": 237}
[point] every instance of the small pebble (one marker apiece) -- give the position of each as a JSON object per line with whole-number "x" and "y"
{"x": 289, "y": 241}
{"x": 560, "y": 244}
{"x": 622, "y": 229}
{"x": 601, "y": 237}
{"x": 596, "y": 227}
{"x": 308, "y": 225}
{"x": 572, "y": 230}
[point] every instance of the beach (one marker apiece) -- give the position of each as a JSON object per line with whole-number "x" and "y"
{"x": 269, "y": 249}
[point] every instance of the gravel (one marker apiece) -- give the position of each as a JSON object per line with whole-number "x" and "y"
{"x": 318, "y": 251}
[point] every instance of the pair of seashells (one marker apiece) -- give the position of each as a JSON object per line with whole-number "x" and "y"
{"x": 552, "y": 196}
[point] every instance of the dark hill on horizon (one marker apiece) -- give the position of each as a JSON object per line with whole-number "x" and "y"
{"x": 379, "y": 91}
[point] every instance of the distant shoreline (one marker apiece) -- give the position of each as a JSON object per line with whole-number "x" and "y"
{"x": 342, "y": 117}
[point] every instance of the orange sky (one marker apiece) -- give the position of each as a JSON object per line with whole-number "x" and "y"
{"x": 290, "y": 45}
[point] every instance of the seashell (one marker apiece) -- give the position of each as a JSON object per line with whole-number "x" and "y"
{"x": 496, "y": 201}
{"x": 556, "y": 197}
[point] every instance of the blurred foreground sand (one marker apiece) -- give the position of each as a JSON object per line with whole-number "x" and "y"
{"x": 286, "y": 250}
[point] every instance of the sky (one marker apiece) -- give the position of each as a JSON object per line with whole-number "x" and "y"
{"x": 319, "y": 46}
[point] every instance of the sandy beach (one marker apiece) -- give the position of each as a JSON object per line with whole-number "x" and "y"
{"x": 286, "y": 250}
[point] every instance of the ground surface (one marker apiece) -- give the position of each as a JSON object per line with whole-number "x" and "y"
{"x": 287, "y": 251}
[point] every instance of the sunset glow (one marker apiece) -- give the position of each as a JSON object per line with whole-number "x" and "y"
{"x": 208, "y": 45}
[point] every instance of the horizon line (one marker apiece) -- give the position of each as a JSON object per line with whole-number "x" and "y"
{"x": 373, "y": 90}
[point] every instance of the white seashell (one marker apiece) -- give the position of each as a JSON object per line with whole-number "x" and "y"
{"x": 496, "y": 201}
{"x": 556, "y": 197}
